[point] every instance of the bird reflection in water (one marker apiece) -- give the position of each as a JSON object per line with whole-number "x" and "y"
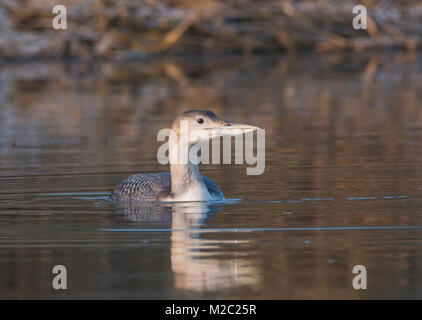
{"x": 200, "y": 261}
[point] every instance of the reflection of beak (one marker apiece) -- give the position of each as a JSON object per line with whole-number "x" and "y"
{"x": 232, "y": 129}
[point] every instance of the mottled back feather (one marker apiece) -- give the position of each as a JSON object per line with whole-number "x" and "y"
{"x": 144, "y": 187}
{"x": 153, "y": 187}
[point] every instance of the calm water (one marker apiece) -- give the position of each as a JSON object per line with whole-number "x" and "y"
{"x": 342, "y": 185}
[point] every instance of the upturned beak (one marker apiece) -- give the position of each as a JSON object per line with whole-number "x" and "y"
{"x": 232, "y": 129}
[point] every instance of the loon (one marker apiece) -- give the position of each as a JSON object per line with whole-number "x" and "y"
{"x": 183, "y": 182}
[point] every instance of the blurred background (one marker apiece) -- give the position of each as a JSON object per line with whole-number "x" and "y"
{"x": 134, "y": 29}
{"x": 80, "y": 109}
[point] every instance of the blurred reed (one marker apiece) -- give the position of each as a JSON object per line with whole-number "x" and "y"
{"x": 138, "y": 28}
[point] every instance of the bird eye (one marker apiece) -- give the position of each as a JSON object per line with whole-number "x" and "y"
{"x": 200, "y": 120}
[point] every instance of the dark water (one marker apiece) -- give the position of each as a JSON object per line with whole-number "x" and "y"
{"x": 342, "y": 185}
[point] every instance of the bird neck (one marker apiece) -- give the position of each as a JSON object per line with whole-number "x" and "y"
{"x": 185, "y": 175}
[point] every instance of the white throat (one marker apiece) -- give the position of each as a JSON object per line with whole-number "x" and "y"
{"x": 187, "y": 183}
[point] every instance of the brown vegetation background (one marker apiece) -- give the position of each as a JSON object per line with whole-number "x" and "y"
{"x": 139, "y": 28}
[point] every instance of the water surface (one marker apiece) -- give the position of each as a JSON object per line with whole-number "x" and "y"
{"x": 342, "y": 185}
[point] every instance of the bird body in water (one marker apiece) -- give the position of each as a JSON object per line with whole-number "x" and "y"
{"x": 184, "y": 181}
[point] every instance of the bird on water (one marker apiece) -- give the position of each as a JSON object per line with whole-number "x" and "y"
{"x": 183, "y": 182}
